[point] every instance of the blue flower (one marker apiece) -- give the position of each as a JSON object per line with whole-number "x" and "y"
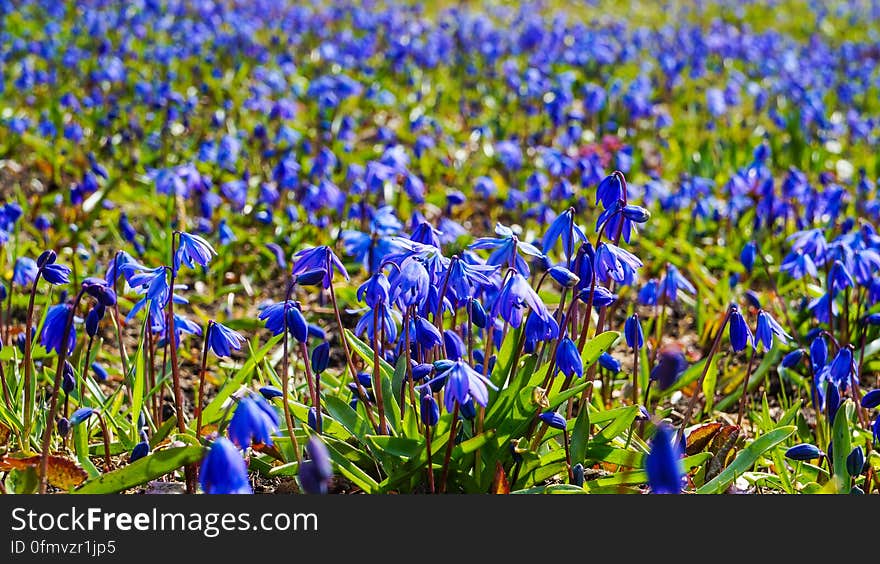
{"x": 671, "y": 362}
{"x": 56, "y": 273}
{"x": 430, "y": 411}
{"x": 747, "y": 255}
{"x": 614, "y": 263}
{"x": 222, "y": 340}
{"x": 223, "y": 470}
{"x": 321, "y": 357}
{"x": 650, "y": 292}
{"x": 842, "y": 367}
{"x": 465, "y": 279}
{"x": 376, "y": 290}
{"x": 803, "y": 452}
{"x": 271, "y": 392}
{"x": 192, "y": 250}
{"x": 52, "y": 334}
{"x": 793, "y": 358}
{"x": 871, "y": 399}
{"x": 506, "y": 249}
{"x": 673, "y": 282}
{"x": 411, "y": 285}
{"x": 609, "y": 191}
{"x": 609, "y": 363}
{"x": 81, "y": 415}
{"x": 855, "y": 461}
{"x": 766, "y": 328}
{"x": 254, "y": 420}
{"x": 818, "y": 353}
{"x": 568, "y": 359}
{"x": 663, "y": 463}
{"x": 273, "y": 317}
{"x": 315, "y": 473}
{"x": 798, "y": 264}
{"x": 515, "y": 296}
{"x": 553, "y": 420}
{"x": 565, "y": 228}
{"x": 100, "y": 290}
{"x": 319, "y": 258}
{"x": 740, "y": 334}
{"x": 565, "y": 277}
{"x": 139, "y": 451}
{"x": 25, "y": 271}
{"x": 632, "y": 331}
{"x": 462, "y": 383}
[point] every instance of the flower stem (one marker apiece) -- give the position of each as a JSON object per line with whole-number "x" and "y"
{"x": 450, "y": 444}
{"x": 377, "y": 373}
{"x": 53, "y": 402}
{"x": 712, "y": 351}
{"x": 202, "y": 374}
{"x": 352, "y": 372}
{"x": 28, "y": 368}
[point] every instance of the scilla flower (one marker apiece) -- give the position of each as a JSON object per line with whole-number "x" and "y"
{"x": 319, "y": 258}
{"x": 223, "y": 470}
{"x": 192, "y": 250}
{"x": 568, "y": 359}
{"x": 768, "y": 327}
{"x": 254, "y": 420}
{"x": 315, "y": 473}
{"x": 52, "y": 333}
{"x": 462, "y": 383}
{"x": 222, "y": 340}
{"x": 632, "y": 330}
{"x": 740, "y": 334}
{"x": 663, "y": 463}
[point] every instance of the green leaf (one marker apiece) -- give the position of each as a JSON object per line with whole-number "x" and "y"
{"x": 213, "y": 410}
{"x": 746, "y": 459}
{"x": 139, "y": 383}
{"x": 594, "y": 348}
{"x": 580, "y": 434}
{"x": 841, "y": 438}
{"x": 142, "y": 471}
{"x": 350, "y": 470}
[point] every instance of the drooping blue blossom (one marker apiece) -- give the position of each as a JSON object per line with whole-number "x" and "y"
{"x": 222, "y": 340}
{"x": 52, "y": 333}
{"x": 223, "y": 470}
{"x": 663, "y": 463}
{"x": 192, "y": 250}
{"x": 740, "y": 334}
{"x": 254, "y": 421}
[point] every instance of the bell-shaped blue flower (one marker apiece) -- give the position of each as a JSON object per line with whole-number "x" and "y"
{"x": 663, "y": 463}
{"x": 740, "y": 334}
{"x": 254, "y": 420}
{"x": 632, "y": 331}
{"x": 223, "y": 470}
{"x": 568, "y": 359}
{"x": 52, "y": 333}
{"x": 192, "y": 250}
{"x": 222, "y": 340}
{"x": 315, "y": 473}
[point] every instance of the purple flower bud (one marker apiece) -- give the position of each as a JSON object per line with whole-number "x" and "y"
{"x": 553, "y": 419}
{"x": 63, "y": 427}
{"x": 855, "y": 461}
{"x": 793, "y": 358}
{"x": 632, "y": 331}
{"x": 321, "y": 357}
{"x": 430, "y": 410}
{"x": 637, "y": 214}
{"x": 803, "y": 452}
{"x": 871, "y": 399}
{"x": 81, "y": 415}
{"x": 46, "y": 257}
